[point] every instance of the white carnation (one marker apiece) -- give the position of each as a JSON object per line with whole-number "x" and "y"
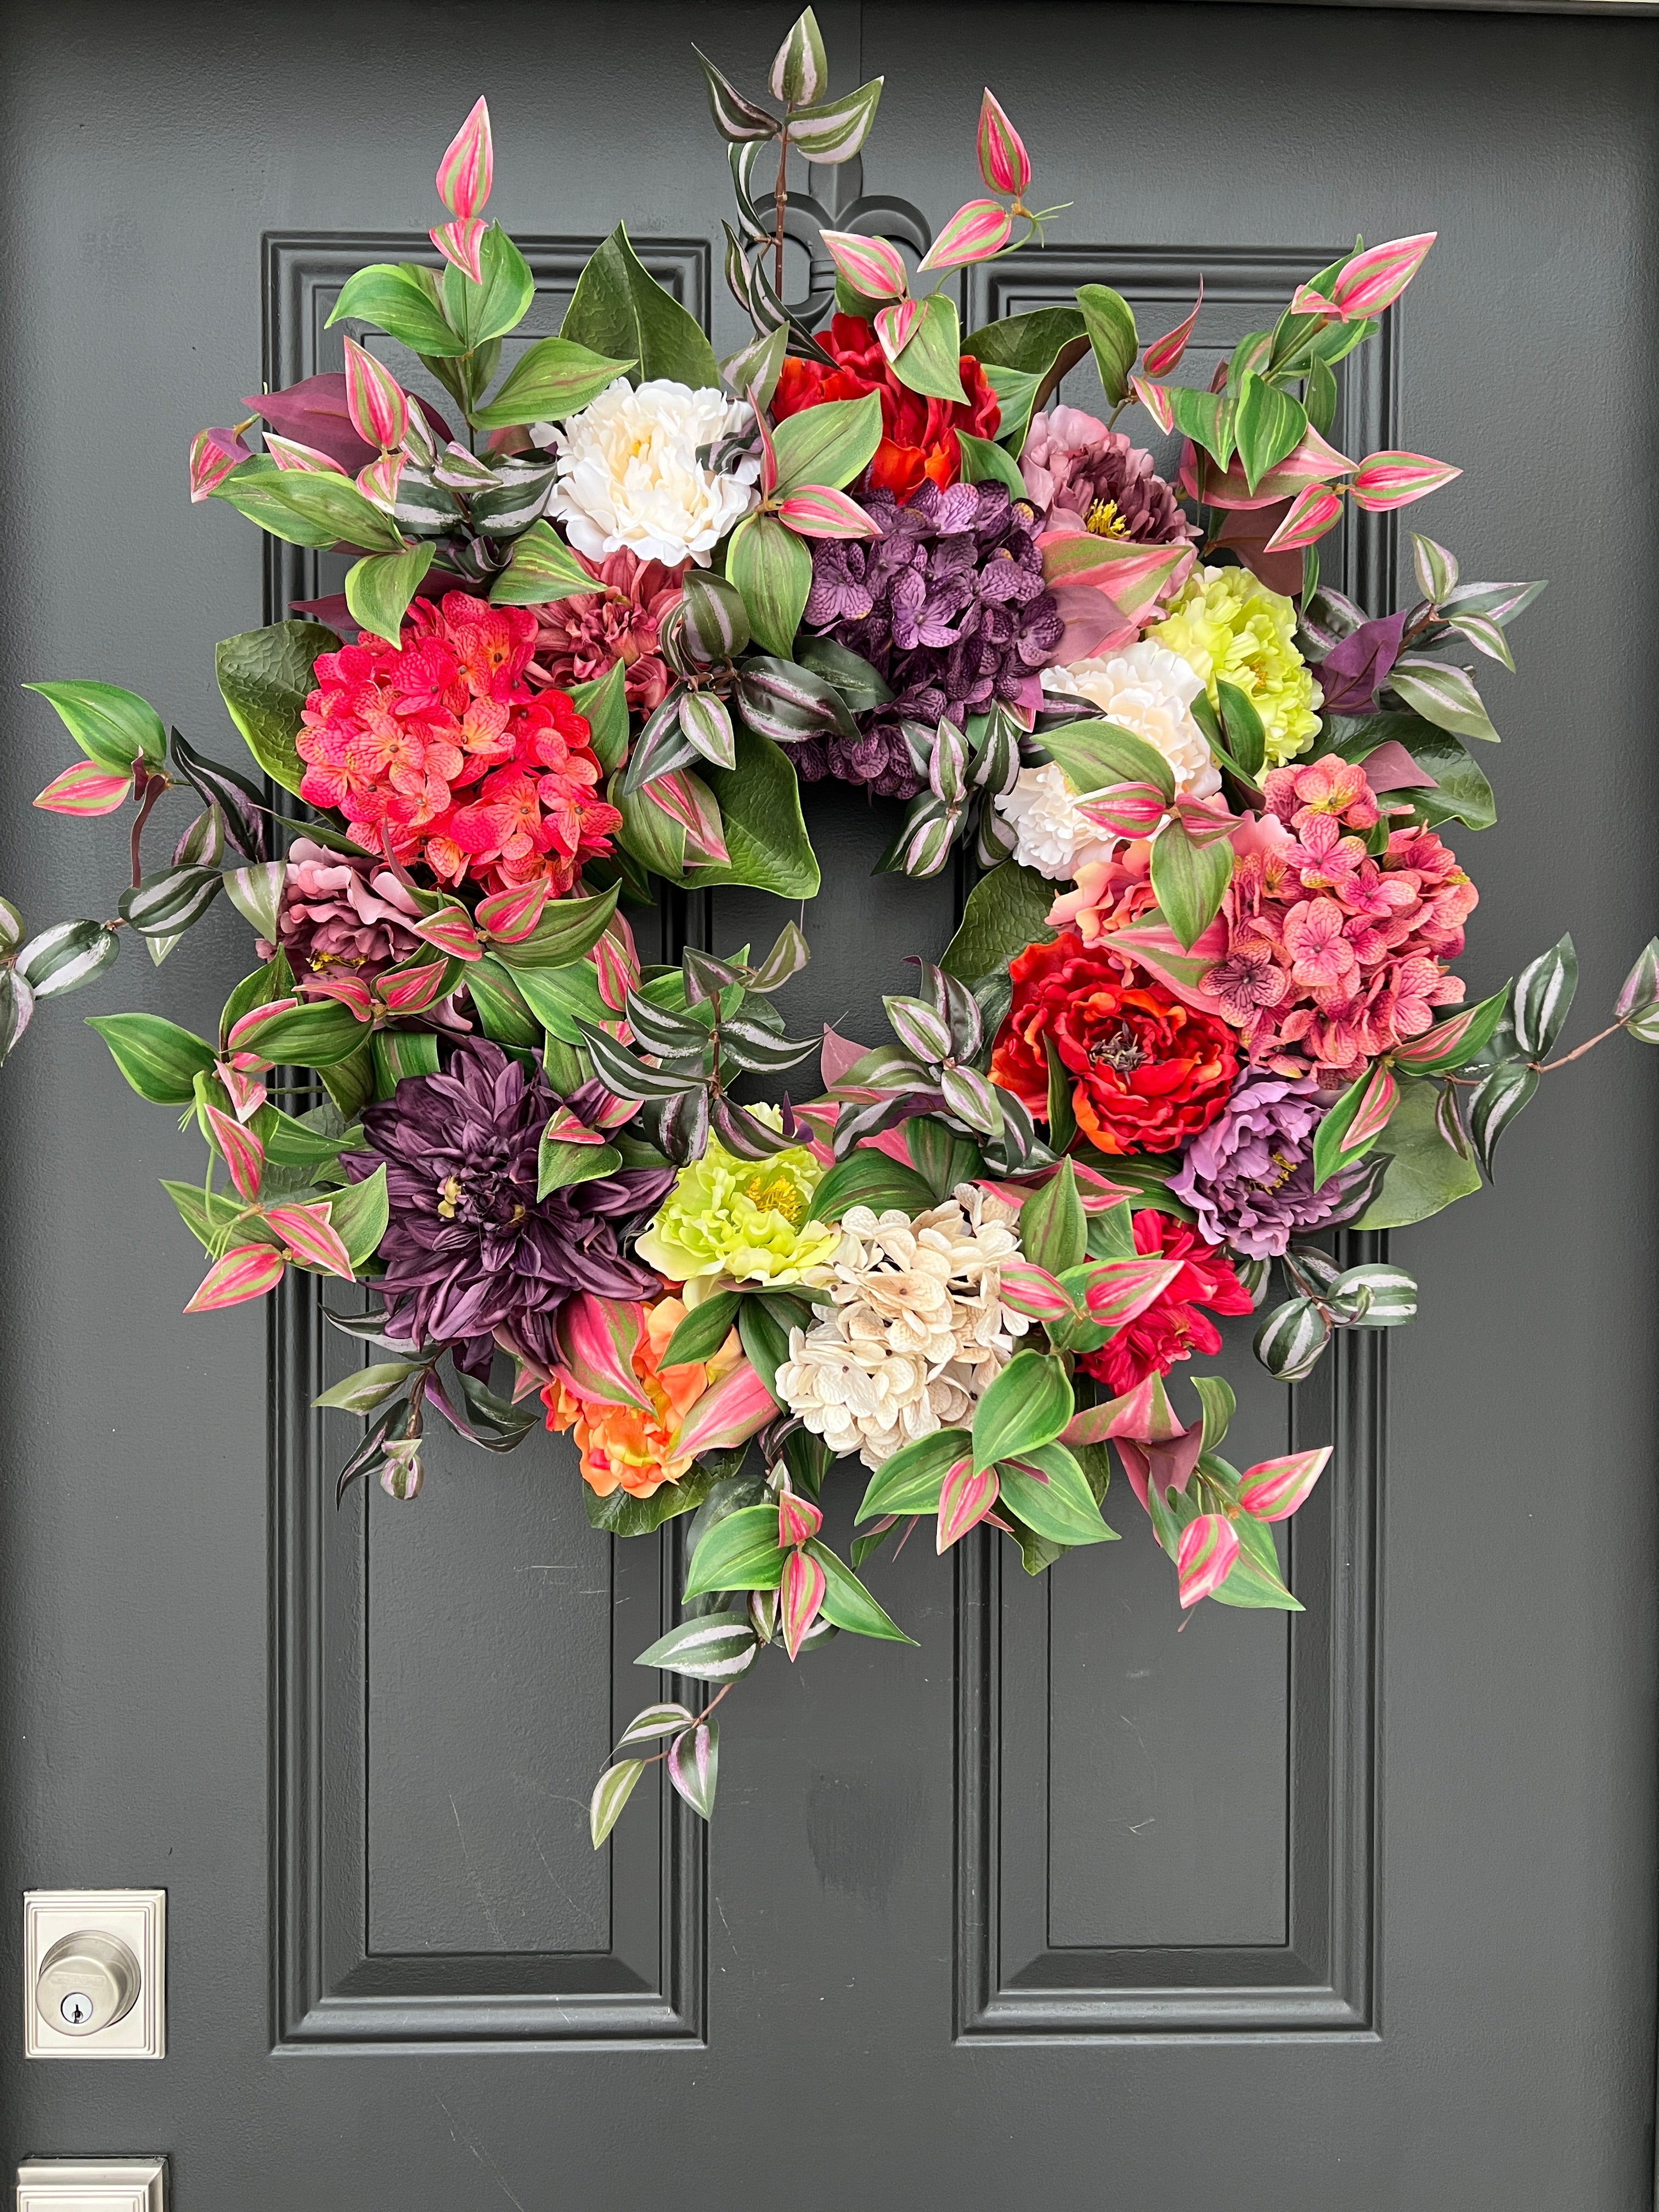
{"x": 629, "y": 477}
{"x": 1149, "y": 690}
{"x": 1049, "y": 834}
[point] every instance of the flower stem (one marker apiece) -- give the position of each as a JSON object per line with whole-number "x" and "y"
{"x": 780, "y": 206}
{"x": 1543, "y": 1067}
{"x": 153, "y": 787}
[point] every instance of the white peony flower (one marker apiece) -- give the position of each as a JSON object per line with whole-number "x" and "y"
{"x": 630, "y": 476}
{"x": 1049, "y": 834}
{"x": 1149, "y": 690}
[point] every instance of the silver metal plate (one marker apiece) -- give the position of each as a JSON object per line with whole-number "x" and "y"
{"x": 103, "y": 2184}
{"x": 136, "y": 1917}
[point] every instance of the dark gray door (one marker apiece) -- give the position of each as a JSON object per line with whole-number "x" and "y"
{"x": 1062, "y": 1906}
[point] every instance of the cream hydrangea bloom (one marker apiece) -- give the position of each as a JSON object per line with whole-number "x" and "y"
{"x": 630, "y": 476}
{"x": 1226, "y": 623}
{"x": 729, "y": 1220}
{"x": 918, "y": 1329}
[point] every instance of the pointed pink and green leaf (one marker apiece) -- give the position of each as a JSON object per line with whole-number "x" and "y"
{"x": 451, "y": 931}
{"x": 768, "y": 474}
{"x": 1354, "y": 1123}
{"x": 1310, "y": 514}
{"x": 1450, "y": 1042}
{"x": 376, "y": 402}
{"x": 468, "y": 168}
{"x": 346, "y": 990}
{"x": 244, "y": 1155}
{"x": 1315, "y": 461}
{"x": 1156, "y": 400}
{"x": 1033, "y": 1291}
{"x": 1375, "y": 279}
{"x": 1209, "y": 1544}
{"x": 1388, "y": 480}
{"x": 1144, "y": 1414}
{"x": 247, "y": 1271}
{"x": 310, "y": 1236}
{"x": 1119, "y": 1289}
{"x": 594, "y": 1341}
{"x": 412, "y": 990}
{"x": 461, "y": 244}
{"x": 976, "y": 232}
{"x": 1125, "y": 810}
{"x": 511, "y": 916}
{"x": 897, "y": 326}
{"x": 797, "y": 1518}
{"x": 1130, "y": 576}
{"x": 1003, "y": 161}
{"x": 737, "y": 1408}
{"x": 303, "y": 459}
{"x": 967, "y": 1497}
{"x": 379, "y": 482}
{"x": 1184, "y": 969}
{"x": 872, "y": 266}
{"x": 1164, "y": 354}
{"x": 213, "y": 455}
{"x": 693, "y": 1765}
{"x": 86, "y": 788}
{"x": 1274, "y": 1488}
{"x": 687, "y": 799}
{"x": 800, "y": 1593}
{"x": 817, "y": 511}
{"x": 616, "y": 964}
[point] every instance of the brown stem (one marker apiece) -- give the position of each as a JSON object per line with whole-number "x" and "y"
{"x": 1543, "y": 1067}
{"x": 780, "y": 203}
{"x": 697, "y": 1719}
{"x": 153, "y": 787}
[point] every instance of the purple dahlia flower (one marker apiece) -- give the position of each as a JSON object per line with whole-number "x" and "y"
{"x": 470, "y": 1248}
{"x": 948, "y": 604}
{"x": 1250, "y": 1175}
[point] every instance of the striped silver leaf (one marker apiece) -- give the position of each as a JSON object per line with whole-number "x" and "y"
{"x": 65, "y": 956}
{"x": 1290, "y": 1340}
{"x": 713, "y": 1650}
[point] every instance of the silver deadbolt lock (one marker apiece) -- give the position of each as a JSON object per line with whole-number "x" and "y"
{"x": 87, "y": 1981}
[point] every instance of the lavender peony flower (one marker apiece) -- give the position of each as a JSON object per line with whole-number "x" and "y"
{"x": 470, "y": 1248}
{"x": 949, "y": 603}
{"x": 338, "y": 911}
{"x": 1081, "y": 476}
{"x": 1250, "y": 1175}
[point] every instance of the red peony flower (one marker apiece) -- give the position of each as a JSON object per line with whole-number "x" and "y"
{"x": 396, "y": 737}
{"x": 579, "y": 639}
{"x": 919, "y": 435}
{"x": 1147, "y": 1072}
{"x": 1172, "y": 1328}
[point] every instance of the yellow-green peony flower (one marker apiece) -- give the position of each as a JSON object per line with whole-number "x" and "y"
{"x": 1225, "y": 623}
{"x": 728, "y": 1220}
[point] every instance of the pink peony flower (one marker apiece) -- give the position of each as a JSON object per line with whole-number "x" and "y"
{"x": 578, "y": 640}
{"x": 1083, "y": 476}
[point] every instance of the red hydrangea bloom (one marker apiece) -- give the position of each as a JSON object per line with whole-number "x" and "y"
{"x": 1175, "y": 1326}
{"x": 579, "y": 639}
{"x": 1147, "y": 1072}
{"x": 436, "y": 749}
{"x": 919, "y": 435}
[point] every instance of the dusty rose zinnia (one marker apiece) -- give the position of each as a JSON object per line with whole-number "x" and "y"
{"x": 579, "y": 639}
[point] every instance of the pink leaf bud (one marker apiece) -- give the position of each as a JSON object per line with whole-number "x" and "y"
{"x": 468, "y": 168}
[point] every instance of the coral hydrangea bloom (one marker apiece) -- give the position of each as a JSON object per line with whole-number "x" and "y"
{"x": 436, "y": 749}
{"x": 1175, "y": 1325}
{"x": 1147, "y": 1072}
{"x": 919, "y": 435}
{"x": 623, "y": 1447}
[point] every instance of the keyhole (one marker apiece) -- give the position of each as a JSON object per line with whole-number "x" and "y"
{"x": 76, "y": 2009}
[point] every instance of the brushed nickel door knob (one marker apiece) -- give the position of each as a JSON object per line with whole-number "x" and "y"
{"x": 87, "y": 1981}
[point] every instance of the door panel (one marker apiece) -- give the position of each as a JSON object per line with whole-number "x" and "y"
{"x": 1353, "y": 1909}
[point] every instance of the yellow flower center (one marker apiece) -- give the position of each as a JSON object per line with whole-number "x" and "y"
{"x": 1104, "y": 521}
{"x": 776, "y": 1194}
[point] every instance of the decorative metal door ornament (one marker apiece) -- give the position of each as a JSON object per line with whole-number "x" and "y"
{"x": 1200, "y": 1010}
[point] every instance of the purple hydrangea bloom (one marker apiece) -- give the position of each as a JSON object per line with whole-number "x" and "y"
{"x": 470, "y": 1248}
{"x": 1250, "y": 1175}
{"x": 948, "y": 604}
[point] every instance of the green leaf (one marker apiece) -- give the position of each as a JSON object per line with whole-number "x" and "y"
{"x": 400, "y": 298}
{"x": 740, "y": 1553}
{"x": 610, "y": 1793}
{"x": 1095, "y": 755}
{"x": 1443, "y": 695}
{"x": 369, "y": 1387}
{"x": 400, "y": 1054}
{"x": 1190, "y": 880}
{"x": 1270, "y": 425}
{"x": 1424, "y": 1174}
{"x": 543, "y": 567}
{"x": 1464, "y": 793}
{"x": 1249, "y": 1582}
{"x": 620, "y": 312}
{"x": 266, "y": 677}
{"x": 861, "y": 686}
{"x": 928, "y": 364}
{"x": 703, "y": 1330}
{"x": 910, "y": 1482}
{"x": 1111, "y": 327}
{"x": 765, "y": 835}
{"x": 1206, "y": 417}
{"x": 562, "y": 997}
{"x": 558, "y": 1164}
{"x": 1027, "y": 1405}
{"x": 985, "y": 463}
{"x": 941, "y": 1157}
{"x": 826, "y": 445}
{"x": 161, "y": 1061}
{"x": 605, "y": 704}
{"x": 1247, "y": 740}
{"x": 1006, "y": 911}
{"x": 624, "y": 1514}
{"x": 487, "y": 311}
{"x": 358, "y": 1216}
{"x": 653, "y": 838}
{"x": 380, "y": 587}
{"x": 1057, "y": 1503}
{"x": 307, "y": 507}
{"x": 113, "y": 728}
{"x": 1054, "y": 1230}
{"x": 847, "y": 1601}
{"x": 1320, "y": 397}
{"x": 1217, "y": 1397}
{"x": 551, "y": 380}
{"x": 867, "y": 1177}
{"x": 765, "y": 1340}
{"x": 503, "y": 1012}
{"x": 773, "y": 569}
{"x": 1024, "y": 357}
{"x": 569, "y": 928}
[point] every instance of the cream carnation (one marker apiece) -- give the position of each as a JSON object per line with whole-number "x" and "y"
{"x": 630, "y": 476}
{"x": 1148, "y": 689}
{"x": 1049, "y": 834}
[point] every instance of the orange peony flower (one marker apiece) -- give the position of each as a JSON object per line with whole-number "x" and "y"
{"x": 623, "y": 1446}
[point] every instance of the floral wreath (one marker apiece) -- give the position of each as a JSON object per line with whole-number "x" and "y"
{"x": 1200, "y": 1011}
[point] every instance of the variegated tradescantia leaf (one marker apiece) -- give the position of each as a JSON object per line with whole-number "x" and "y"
{"x": 833, "y": 130}
{"x": 1495, "y": 1105}
{"x": 694, "y": 1765}
{"x": 610, "y": 1793}
{"x": 64, "y": 957}
{"x": 1543, "y": 999}
{"x": 1290, "y": 1340}
{"x": 715, "y": 1648}
{"x": 801, "y": 68}
{"x": 1379, "y": 1296}
{"x": 655, "y": 1721}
